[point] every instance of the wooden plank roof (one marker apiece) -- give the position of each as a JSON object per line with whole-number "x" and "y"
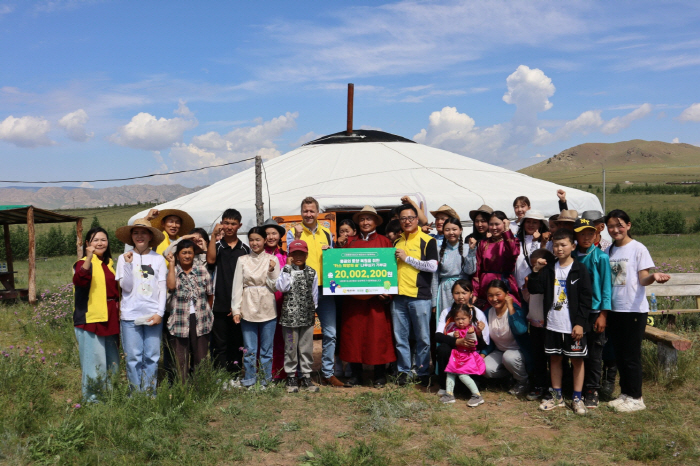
{"x": 17, "y": 215}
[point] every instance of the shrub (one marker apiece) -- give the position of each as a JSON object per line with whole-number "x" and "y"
{"x": 653, "y": 222}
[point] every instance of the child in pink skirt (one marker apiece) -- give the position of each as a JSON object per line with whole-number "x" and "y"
{"x": 461, "y": 323}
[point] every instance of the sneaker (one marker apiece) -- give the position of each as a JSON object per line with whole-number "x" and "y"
{"x": 519, "y": 389}
{"x": 441, "y": 392}
{"x": 579, "y": 407}
{"x": 618, "y": 401}
{"x": 535, "y": 394}
{"x": 292, "y": 385}
{"x": 590, "y": 399}
{"x": 552, "y": 402}
{"x": 447, "y": 398}
{"x": 630, "y": 405}
{"x": 308, "y": 384}
{"x": 235, "y": 383}
{"x": 475, "y": 401}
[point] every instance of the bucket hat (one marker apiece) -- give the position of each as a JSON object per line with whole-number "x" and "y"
{"x": 124, "y": 233}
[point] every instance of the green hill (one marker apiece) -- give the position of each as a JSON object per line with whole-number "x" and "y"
{"x": 636, "y": 161}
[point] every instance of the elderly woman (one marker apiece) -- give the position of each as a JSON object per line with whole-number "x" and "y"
{"x": 366, "y": 335}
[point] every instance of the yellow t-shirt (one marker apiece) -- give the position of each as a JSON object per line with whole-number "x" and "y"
{"x": 423, "y": 247}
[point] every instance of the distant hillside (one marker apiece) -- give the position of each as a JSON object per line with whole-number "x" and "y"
{"x": 636, "y": 161}
{"x": 68, "y": 198}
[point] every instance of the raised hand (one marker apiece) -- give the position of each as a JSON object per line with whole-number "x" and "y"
{"x": 153, "y": 213}
{"x": 472, "y": 243}
{"x": 539, "y": 265}
{"x": 506, "y": 225}
{"x": 128, "y": 257}
{"x": 561, "y": 194}
{"x": 298, "y": 229}
{"x": 89, "y": 251}
{"x": 272, "y": 265}
{"x": 545, "y": 237}
{"x": 536, "y": 235}
{"x": 217, "y": 229}
{"x": 171, "y": 259}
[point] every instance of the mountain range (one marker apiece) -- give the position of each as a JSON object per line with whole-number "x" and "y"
{"x": 74, "y": 197}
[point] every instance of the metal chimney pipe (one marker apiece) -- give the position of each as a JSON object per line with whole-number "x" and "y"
{"x": 351, "y": 96}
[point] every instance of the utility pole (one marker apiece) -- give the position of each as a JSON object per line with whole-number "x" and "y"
{"x": 259, "y": 210}
{"x": 604, "y": 211}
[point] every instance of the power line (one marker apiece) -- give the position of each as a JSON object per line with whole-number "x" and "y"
{"x": 130, "y": 178}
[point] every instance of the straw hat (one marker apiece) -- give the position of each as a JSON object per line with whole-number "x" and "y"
{"x": 124, "y": 233}
{"x": 537, "y": 215}
{"x": 567, "y": 216}
{"x": 447, "y": 210}
{"x": 484, "y": 209}
{"x": 187, "y": 222}
{"x": 270, "y": 223}
{"x": 368, "y": 209}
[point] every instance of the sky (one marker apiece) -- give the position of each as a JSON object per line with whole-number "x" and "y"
{"x": 114, "y": 89}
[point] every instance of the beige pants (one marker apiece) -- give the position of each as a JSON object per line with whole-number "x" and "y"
{"x": 298, "y": 349}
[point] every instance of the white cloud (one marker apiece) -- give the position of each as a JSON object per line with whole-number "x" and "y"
{"x": 539, "y": 156}
{"x": 145, "y": 131}
{"x": 529, "y": 90}
{"x": 675, "y": 141}
{"x": 304, "y": 138}
{"x": 85, "y": 184}
{"x": 74, "y": 124}
{"x": 26, "y": 131}
{"x": 691, "y": 113}
{"x": 617, "y": 124}
{"x": 242, "y": 143}
{"x": 5, "y": 9}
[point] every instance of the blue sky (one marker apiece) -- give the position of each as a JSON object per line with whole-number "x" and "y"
{"x": 107, "y": 89}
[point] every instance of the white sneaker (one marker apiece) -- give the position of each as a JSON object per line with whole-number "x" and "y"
{"x": 235, "y": 383}
{"x": 630, "y": 405}
{"x": 441, "y": 392}
{"x": 579, "y": 407}
{"x": 618, "y": 401}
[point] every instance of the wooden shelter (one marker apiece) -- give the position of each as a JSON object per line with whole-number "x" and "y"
{"x": 29, "y": 215}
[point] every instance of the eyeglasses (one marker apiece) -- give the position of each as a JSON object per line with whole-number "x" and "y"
{"x": 407, "y": 219}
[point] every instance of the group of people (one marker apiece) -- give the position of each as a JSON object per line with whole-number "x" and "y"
{"x": 516, "y": 300}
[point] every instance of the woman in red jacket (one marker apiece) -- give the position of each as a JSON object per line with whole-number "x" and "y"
{"x": 96, "y": 314}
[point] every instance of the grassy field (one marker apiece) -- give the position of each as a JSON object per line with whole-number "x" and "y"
{"x": 42, "y": 421}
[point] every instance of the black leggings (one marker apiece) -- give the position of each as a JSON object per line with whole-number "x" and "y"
{"x": 626, "y": 331}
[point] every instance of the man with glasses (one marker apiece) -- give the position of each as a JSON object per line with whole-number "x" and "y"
{"x": 417, "y": 259}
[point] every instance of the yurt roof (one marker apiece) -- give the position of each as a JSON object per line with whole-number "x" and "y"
{"x": 345, "y": 173}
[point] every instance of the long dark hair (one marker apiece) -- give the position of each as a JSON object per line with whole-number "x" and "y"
{"x": 466, "y": 285}
{"x": 452, "y": 221}
{"x": 89, "y": 237}
{"x": 621, "y": 214}
{"x": 475, "y": 234}
{"x": 521, "y": 238}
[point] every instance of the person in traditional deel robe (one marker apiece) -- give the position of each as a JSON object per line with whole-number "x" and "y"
{"x": 366, "y": 334}
{"x": 495, "y": 259}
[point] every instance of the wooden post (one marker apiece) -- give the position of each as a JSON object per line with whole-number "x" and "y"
{"x": 259, "y": 210}
{"x": 351, "y": 98}
{"x": 8, "y": 255}
{"x": 79, "y": 235}
{"x": 32, "y": 255}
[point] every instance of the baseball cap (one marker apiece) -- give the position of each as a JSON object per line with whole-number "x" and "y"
{"x": 298, "y": 245}
{"x": 583, "y": 223}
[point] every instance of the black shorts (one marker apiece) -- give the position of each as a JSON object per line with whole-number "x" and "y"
{"x": 562, "y": 344}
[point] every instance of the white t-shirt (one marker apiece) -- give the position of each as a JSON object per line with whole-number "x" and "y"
{"x": 522, "y": 269}
{"x": 480, "y": 316}
{"x": 144, "y": 299}
{"x": 558, "y": 319}
{"x": 499, "y": 329}
{"x": 626, "y": 262}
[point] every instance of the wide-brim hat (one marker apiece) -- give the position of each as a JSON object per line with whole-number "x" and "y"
{"x": 536, "y": 215}
{"x": 367, "y": 210}
{"x": 187, "y": 221}
{"x": 270, "y": 223}
{"x": 124, "y": 233}
{"x": 593, "y": 215}
{"x": 445, "y": 209}
{"x": 484, "y": 209}
{"x": 567, "y": 216}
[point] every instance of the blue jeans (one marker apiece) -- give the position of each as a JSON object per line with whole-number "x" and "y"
{"x": 257, "y": 335}
{"x": 141, "y": 344}
{"x": 411, "y": 315}
{"x": 327, "y": 315}
{"x": 99, "y": 359}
